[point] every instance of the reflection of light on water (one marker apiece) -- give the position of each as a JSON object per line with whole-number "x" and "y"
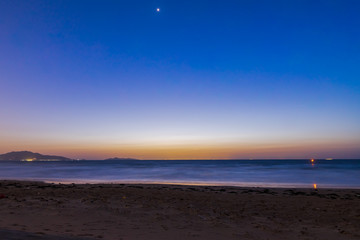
{"x": 329, "y": 159}
{"x": 312, "y": 161}
{"x": 277, "y": 173}
{"x": 312, "y": 164}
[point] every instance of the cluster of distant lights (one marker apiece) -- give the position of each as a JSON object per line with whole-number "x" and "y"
{"x": 29, "y": 159}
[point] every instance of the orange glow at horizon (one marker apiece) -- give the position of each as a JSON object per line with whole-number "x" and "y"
{"x": 315, "y": 186}
{"x": 296, "y": 150}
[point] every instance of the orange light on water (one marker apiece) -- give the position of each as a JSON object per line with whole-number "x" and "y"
{"x": 315, "y": 186}
{"x": 312, "y": 160}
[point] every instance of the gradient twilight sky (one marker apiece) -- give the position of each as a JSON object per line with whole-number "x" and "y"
{"x": 199, "y": 79}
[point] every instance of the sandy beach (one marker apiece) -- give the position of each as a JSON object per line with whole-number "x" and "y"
{"x": 36, "y": 210}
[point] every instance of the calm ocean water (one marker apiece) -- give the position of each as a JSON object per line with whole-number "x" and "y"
{"x": 276, "y": 173}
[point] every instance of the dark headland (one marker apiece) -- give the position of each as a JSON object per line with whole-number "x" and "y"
{"x": 31, "y": 156}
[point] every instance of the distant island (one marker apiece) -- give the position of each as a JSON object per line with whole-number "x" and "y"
{"x": 120, "y": 159}
{"x": 28, "y": 156}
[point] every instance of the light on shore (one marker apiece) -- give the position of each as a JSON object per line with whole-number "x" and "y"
{"x": 315, "y": 186}
{"x": 29, "y": 159}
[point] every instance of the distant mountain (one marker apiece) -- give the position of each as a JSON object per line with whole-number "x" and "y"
{"x": 120, "y": 159}
{"x": 30, "y": 156}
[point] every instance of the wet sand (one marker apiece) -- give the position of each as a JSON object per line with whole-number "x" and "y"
{"x": 35, "y": 210}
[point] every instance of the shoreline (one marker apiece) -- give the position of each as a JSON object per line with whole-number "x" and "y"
{"x": 190, "y": 183}
{"x": 164, "y": 211}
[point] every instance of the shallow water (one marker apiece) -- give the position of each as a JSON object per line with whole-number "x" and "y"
{"x": 276, "y": 173}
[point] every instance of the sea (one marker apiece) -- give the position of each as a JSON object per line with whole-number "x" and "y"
{"x": 246, "y": 173}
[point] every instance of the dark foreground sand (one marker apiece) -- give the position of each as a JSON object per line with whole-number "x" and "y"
{"x": 33, "y": 210}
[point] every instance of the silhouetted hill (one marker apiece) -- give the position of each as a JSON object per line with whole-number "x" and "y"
{"x": 30, "y": 156}
{"x": 120, "y": 159}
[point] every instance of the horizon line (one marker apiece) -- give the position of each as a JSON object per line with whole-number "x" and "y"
{"x": 184, "y": 159}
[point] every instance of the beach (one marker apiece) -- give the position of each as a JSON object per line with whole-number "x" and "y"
{"x": 38, "y": 210}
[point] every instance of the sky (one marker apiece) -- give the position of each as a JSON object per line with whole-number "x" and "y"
{"x": 197, "y": 80}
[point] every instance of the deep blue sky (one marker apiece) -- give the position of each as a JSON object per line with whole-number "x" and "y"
{"x": 241, "y": 77}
